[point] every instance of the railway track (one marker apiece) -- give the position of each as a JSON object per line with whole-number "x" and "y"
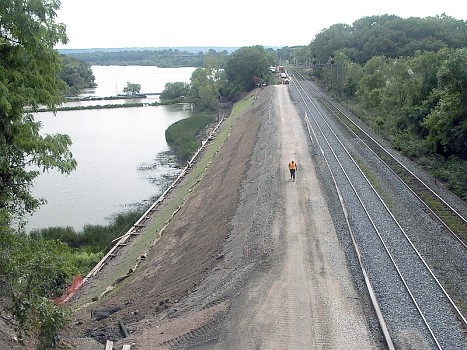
{"x": 412, "y": 306}
{"x": 453, "y": 221}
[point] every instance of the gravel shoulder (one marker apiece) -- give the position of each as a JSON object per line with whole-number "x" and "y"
{"x": 251, "y": 260}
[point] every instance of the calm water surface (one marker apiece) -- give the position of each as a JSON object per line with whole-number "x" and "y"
{"x": 121, "y": 153}
{"x": 113, "y": 79}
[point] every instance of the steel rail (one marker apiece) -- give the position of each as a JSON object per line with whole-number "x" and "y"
{"x": 356, "y": 246}
{"x": 369, "y": 286}
{"x": 369, "y": 216}
{"x": 460, "y": 315}
{"x": 459, "y": 232}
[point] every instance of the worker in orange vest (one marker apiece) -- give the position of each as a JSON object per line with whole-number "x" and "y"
{"x": 293, "y": 169}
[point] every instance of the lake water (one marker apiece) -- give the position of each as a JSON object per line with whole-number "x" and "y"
{"x": 113, "y": 79}
{"x": 122, "y": 154}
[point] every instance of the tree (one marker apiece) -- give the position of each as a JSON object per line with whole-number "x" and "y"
{"x": 207, "y": 83}
{"x": 342, "y": 76}
{"x": 29, "y": 71}
{"x": 131, "y": 89}
{"x": 29, "y": 78}
{"x": 372, "y": 82}
{"x": 33, "y": 272}
{"x": 300, "y": 55}
{"x": 204, "y": 92}
{"x": 245, "y": 64}
{"x": 76, "y": 74}
{"x": 447, "y": 122}
{"x": 175, "y": 90}
{"x": 330, "y": 40}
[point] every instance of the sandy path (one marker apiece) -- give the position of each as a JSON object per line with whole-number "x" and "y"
{"x": 306, "y": 299}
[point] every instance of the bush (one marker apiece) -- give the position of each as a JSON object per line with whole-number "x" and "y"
{"x": 453, "y": 172}
{"x": 85, "y": 261}
{"x": 33, "y": 272}
{"x": 183, "y": 135}
{"x": 93, "y": 238}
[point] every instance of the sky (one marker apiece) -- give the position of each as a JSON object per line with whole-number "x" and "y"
{"x": 236, "y": 23}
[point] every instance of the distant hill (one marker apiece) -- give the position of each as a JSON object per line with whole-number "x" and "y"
{"x": 163, "y": 57}
{"x": 191, "y": 49}
{"x": 159, "y": 57}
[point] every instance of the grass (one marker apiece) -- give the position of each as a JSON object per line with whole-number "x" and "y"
{"x": 183, "y": 135}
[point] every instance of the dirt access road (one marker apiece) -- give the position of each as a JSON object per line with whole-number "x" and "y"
{"x": 305, "y": 300}
{"x": 252, "y": 259}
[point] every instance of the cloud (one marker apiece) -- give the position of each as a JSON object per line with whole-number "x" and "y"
{"x": 147, "y": 23}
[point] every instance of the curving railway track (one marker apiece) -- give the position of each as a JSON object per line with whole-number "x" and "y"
{"x": 412, "y": 305}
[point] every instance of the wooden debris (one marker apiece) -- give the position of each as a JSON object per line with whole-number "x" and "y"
{"x": 123, "y": 328}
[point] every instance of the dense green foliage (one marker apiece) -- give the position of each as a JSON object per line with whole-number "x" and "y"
{"x": 421, "y": 99}
{"x": 410, "y": 90}
{"x": 183, "y": 136}
{"x": 204, "y": 89}
{"x": 205, "y": 86}
{"x": 96, "y": 239}
{"x": 29, "y": 71}
{"x": 37, "y": 268}
{"x": 31, "y": 271}
{"x": 175, "y": 90}
{"x": 206, "y": 83}
{"x": 76, "y": 74}
{"x": 244, "y": 65}
{"x": 389, "y": 36}
{"x": 132, "y": 89}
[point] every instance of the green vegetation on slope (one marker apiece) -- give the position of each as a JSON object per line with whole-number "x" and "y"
{"x": 183, "y": 136}
{"x": 171, "y": 204}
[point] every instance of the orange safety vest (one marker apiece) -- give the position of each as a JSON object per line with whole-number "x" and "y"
{"x": 292, "y": 166}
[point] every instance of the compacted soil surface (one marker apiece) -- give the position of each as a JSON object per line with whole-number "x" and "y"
{"x": 251, "y": 260}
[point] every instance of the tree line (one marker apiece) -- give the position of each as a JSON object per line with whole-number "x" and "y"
{"x": 386, "y": 35}
{"x": 155, "y": 57}
{"x": 76, "y": 74}
{"x": 405, "y": 78}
